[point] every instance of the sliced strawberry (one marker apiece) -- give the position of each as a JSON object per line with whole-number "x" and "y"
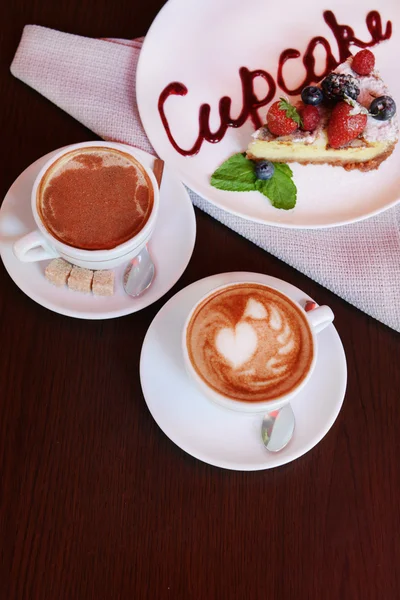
{"x": 310, "y": 117}
{"x": 344, "y": 127}
{"x": 363, "y": 63}
{"x": 282, "y": 118}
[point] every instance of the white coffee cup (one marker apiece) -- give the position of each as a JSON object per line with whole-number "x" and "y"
{"x": 42, "y": 245}
{"x": 317, "y": 320}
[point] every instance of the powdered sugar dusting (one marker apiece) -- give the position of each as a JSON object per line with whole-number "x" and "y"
{"x": 372, "y": 86}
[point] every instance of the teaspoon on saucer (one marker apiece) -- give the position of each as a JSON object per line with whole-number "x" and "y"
{"x": 277, "y": 428}
{"x": 139, "y": 273}
{"x": 278, "y": 425}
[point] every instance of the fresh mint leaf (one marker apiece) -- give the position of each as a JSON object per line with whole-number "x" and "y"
{"x": 284, "y": 168}
{"x": 280, "y": 189}
{"x": 237, "y": 174}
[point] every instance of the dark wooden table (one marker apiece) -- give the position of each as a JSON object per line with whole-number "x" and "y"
{"x": 96, "y": 502}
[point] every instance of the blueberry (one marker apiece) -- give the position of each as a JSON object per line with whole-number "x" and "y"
{"x": 312, "y": 95}
{"x": 382, "y": 108}
{"x": 264, "y": 169}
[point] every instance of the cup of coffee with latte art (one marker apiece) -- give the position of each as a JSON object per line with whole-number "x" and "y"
{"x": 95, "y": 204}
{"x": 251, "y": 348}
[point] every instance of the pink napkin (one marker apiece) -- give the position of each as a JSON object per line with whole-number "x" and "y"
{"x": 94, "y": 81}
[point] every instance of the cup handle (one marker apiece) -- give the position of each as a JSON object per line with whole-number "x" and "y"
{"x": 320, "y": 317}
{"x": 33, "y": 247}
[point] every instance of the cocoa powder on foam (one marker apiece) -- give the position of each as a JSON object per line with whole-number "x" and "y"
{"x": 95, "y": 199}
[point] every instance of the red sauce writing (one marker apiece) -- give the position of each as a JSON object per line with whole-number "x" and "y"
{"x": 345, "y": 38}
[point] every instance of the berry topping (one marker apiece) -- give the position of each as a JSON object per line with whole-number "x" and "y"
{"x": 282, "y": 118}
{"x": 312, "y": 95}
{"x": 382, "y": 108}
{"x": 310, "y": 117}
{"x": 264, "y": 169}
{"x": 339, "y": 86}
{"x": 363, "y": 62}
{"x": 344, "y": 126}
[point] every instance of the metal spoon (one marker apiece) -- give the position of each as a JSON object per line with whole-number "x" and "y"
{"x": 139, "y": 274}
{"x": 277, "y": 428}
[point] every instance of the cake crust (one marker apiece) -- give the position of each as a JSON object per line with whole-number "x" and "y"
{"x": 369, "y": 165}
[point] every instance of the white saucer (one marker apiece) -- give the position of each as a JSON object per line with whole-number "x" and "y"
{"x": 171, "y": 247}
{"x": 221, "y": 437}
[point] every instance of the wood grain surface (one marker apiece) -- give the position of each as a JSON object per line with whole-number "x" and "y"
{"x": 96, "y": 502}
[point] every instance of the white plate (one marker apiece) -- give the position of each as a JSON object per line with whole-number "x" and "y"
{"x": 171, "y": 247}
{"x": 203, "y": 44}
{"x": 216, "y": 435}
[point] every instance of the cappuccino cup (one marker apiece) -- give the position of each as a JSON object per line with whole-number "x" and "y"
{"x": 251, "y": 348}
{"x": 95, "y": 204}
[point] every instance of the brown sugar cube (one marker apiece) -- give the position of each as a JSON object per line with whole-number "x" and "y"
{"x": 57, "y": 271}
{"x": 103, "y": 283}
{"x": 80, "y": 280}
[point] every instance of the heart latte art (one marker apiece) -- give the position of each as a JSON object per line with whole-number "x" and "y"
{"x": 250, "y": 343}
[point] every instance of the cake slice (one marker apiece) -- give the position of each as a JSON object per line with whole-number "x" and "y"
{"x": 320, "y": 130}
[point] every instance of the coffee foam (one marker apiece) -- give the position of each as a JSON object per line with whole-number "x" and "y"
{"x": 95, "y": 198}
{"x": 249, "y": 343}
